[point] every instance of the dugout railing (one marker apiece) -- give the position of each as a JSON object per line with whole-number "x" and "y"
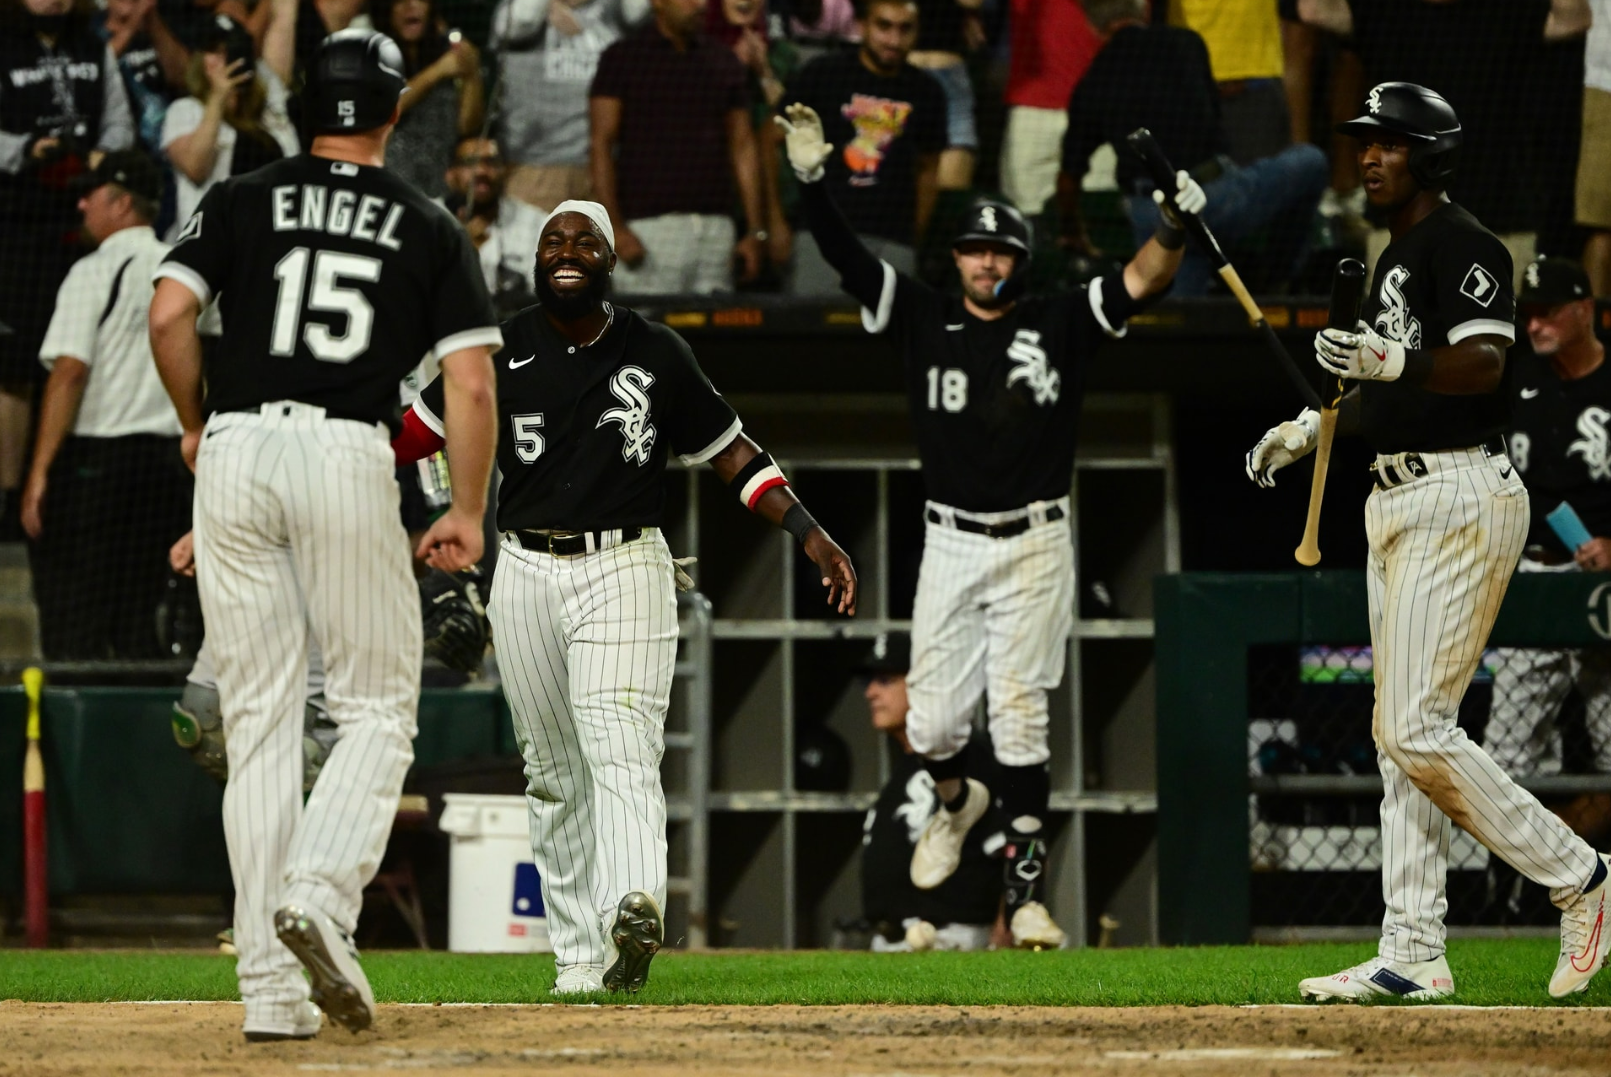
{"x": 1267, "y": 782}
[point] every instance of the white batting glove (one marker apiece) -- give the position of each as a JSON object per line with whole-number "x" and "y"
{"x": 1189, "y": 196}
{"x": 807, "y": 147}
{"x": 1281, "y": 445}
{"x": 1365, "y": 355}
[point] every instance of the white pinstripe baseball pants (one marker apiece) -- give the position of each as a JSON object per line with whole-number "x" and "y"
{"x": 587, "y": 647}
{"x": 297, "y": 532}
{"x": 992, "y": 619}
{"x": 1442, "y": 548}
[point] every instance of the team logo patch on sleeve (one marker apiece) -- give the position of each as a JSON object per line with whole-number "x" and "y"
{"x": 191, "y": 230}
{"x": 1479, "y": 286}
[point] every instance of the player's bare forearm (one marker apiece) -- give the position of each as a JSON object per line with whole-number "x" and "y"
{"x": 469, "y": 390}
{"x": 928, "y": 192}
{"x": 746, "y": 163}
{"x": 1472, "y": 367}
{"x": 1151, "y": 270}
{"x": 177, "y": 348}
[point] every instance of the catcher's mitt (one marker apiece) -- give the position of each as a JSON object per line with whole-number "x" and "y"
{"x": 456, "y": 628}
{"x": 198, "y": 728}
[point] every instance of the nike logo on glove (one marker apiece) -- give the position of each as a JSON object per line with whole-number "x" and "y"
{"x": 1381, "y": 357}
{"x": 516, "y": 366}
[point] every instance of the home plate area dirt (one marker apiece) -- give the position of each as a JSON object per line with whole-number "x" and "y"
{"x": 185, "y": 1039}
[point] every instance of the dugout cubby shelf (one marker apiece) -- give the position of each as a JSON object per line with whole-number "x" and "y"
{"x": 784, "y": 841}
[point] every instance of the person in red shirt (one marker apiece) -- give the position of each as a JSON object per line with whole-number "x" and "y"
{"x": 1052, "y": 45}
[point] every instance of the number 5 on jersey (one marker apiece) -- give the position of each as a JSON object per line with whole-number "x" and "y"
{"x": 947, "y": 389}
{"x": 529, "y": 442}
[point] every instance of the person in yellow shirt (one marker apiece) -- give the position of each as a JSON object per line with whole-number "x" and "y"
{"x": 1244, "y": 50}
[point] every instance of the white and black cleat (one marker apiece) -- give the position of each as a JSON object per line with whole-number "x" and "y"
{"x": 338, "y": 984}
{"x": 638, "y": 933}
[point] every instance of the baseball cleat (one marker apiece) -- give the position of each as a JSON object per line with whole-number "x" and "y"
{"x": 1582, "y": 940}
{"x": 939, "y": 850}
{"x": 578, "y": 980}
{"x": 339, "y": 986}
{"x": 306, "y": 1026}
{"x": 1034, "y": 929}
{"x": 1381, "y": 978}
{"x": 638, "y": 932}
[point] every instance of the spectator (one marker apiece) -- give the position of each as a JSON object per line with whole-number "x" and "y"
{"x": 235, "y": 119}
{"x": 1051, "y": 46}
{"x": 671, "y": 137}
{"x": 108, "y": 492}
{"x": 1559, "y": 444}
{"x": 1594, "y": 161}
{"x": 62, "y": 104}
{"x": 315, "y": 21}
{"x": 1485, "y": 71}
{"x": 1244, "y": 50}
{"x": 887, "y": 123}
{"x": 946, "y": 30}
{"x": 963, "y": 912}
{"x": 444, "y": 102}
{"x": 504, "y": 230}
{"x": 743, "y": 26}
{"x": 151, "y": 61}
{"x": 548, "y": 52}
{"x": 1159, "y": 77}
{"x": 818, "y": 27}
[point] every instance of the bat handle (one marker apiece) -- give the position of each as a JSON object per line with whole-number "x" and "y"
{"x": 1308, "y": 551}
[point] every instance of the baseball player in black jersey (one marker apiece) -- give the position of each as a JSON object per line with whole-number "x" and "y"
{"x": 334, "y": 278}
{"x": 591, "y": 400}
{"x": 1446, "y": 524}
{"x": 993, "y": 383}
{"x": 1560, "y": 442}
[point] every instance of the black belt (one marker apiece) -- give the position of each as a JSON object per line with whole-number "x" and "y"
{"x": 329, "y": 413}
{"x": 573, "y": 544}
{"x": 1012, "y": 527}
{"x": 1414, "y": 466}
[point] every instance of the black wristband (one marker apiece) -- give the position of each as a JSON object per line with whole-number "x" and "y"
{"x": 1417, "y": 366}
{"x": 1168, "y": 236}
{"x": 798, "y": 522}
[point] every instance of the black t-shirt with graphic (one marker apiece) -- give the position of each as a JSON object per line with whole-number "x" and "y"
{"x": 879, "y": 125}
{"x": 1560, "y": 441}
{"x": 890, "y": 833}
{"x": 584, "y": 431}
{"x": 1446, "y": 279}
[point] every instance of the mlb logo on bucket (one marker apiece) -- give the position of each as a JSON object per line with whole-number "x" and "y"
{"x": 528, "y": 896}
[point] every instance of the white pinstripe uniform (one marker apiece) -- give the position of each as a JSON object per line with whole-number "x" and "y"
{"x": 333, "y": 280}
{"x": 1446, "y": 527}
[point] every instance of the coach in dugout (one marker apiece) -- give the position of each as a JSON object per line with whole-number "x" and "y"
{"x": 963, "y": 912}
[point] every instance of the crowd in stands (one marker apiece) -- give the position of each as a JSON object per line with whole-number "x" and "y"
{"x": 662, "y": 110}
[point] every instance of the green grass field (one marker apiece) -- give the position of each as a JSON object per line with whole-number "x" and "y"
{"x": 1487, "y": 973}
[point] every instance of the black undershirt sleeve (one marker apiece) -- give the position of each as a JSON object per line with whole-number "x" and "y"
{"x": 860, "y": 273}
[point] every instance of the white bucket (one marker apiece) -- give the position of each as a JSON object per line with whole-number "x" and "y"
{"x": 494, "y": 902}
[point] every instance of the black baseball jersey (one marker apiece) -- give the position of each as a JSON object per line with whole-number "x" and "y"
{"x": 889, "y": 835}
{"x": 1446, "y": 279}
{"x": 334, "y": 281}
{"x": 1560, "y": 442}
{"x": 585, "y": 431}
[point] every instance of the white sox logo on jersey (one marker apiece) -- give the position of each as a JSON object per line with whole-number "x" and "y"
{"x": 1030, "y": 365}
{"x": 1593, "y": 446}
{"x": 1394, "y": 319}
{"x": 628, "y": 386}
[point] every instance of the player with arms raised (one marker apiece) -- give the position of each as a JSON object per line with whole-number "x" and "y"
{"x": 993, "y": 383}
{"x": 1446, "y": 525}
{"x": 334, "y": 278}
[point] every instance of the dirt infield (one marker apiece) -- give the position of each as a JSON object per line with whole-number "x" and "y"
{"x": 192, "y": 1039}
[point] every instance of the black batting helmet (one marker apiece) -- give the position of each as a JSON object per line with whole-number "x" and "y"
{"x": 989, "y": 221}
{"x": 356, "y": 80}
{"x": 1419, "y": 115}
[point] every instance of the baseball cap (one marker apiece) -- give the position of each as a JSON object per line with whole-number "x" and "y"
{"x": 1548, "y": 281}
{"x": 891, "y": 652}
{"x": 129, "y": 169}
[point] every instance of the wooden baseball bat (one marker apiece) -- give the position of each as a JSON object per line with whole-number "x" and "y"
{"x": 1347, "y": 290}
{"x": 35, "y": 851}
{"x": 1163, "y": 177}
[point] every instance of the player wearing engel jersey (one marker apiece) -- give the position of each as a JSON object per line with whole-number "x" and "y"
{"x": 592, "y": 399}
{"x": 1560, "y": 442}
{"x": 334, "y": 278}
{"x": 1446, "y": 524}
{"x": 993, "y": 383}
